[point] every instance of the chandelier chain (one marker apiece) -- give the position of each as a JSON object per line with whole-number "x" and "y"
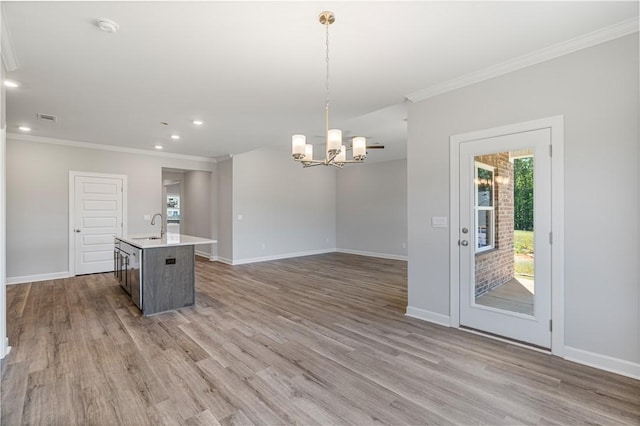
{"x": 327, "y": 61}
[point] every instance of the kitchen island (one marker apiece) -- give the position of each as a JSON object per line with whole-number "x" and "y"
{"x": 157, "y": 273}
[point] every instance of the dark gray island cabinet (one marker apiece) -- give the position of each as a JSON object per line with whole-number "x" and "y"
{"x": 157, "y": 273}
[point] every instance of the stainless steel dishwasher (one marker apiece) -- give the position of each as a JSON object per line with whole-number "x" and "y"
{"x": 131, "y": 271}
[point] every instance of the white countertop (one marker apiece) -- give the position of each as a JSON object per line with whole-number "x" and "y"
{"x": 143, "y": 241}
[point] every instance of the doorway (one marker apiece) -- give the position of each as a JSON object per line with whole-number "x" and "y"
{"x": 172, "y": 195}
{"x": 501, "y": 237}
{"x": 186, "y": 205}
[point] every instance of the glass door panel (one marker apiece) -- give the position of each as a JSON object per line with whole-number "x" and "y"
{"x": 504, "y": 258}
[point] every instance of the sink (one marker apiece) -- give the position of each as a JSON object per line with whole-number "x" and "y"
{"x": 146, "y": 238}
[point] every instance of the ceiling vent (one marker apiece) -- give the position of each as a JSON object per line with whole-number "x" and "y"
{"x": 47, "y": 117}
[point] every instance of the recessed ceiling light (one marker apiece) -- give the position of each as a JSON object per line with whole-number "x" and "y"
{"x": 107, "y": 25}
{"x": 197, "y": 122}
{"x": 175, "y": 137}
{"x": 24, "y": 128}
{"x": 11, "y": 83}
{"x": 158, "y": 146}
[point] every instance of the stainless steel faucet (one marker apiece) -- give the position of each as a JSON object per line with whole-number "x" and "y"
{"x": 153, "y": 222}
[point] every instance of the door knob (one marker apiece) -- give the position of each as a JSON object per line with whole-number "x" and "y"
{"x": 465, "y": 230}
{"x": 76, "y": 230}
{"x": 464, "y": 243}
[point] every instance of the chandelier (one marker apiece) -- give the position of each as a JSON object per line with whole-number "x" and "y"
{"x": 336, "y": 152}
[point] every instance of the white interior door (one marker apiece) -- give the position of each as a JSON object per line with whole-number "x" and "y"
{"x": 97, "y": 217}
{"x": 505, "y": 236}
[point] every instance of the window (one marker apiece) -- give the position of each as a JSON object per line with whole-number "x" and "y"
{"x": 484, "y": 207}
{"x": 173, "y": 209}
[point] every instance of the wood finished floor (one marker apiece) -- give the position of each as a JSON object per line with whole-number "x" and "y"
{"x": 311, "y": 340}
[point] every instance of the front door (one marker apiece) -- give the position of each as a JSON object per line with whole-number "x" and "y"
{"x": 97, "y": 217}
{"x": 505, "y": 231}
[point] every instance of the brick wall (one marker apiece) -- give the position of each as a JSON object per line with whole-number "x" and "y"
{"x": 495, "y": 267}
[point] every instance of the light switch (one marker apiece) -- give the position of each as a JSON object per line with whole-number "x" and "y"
{"x": 147, "y": 217}
{"x": 439, "y": 222}
{"x": 240, "y": 217}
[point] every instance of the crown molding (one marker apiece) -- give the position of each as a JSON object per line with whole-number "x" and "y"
{"x": 8, "y": 52}
{"x": 602, "y": 35}
{"x": 89, "y": 145}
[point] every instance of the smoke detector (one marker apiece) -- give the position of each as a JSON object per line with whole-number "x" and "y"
{"x": 107, "y": 25}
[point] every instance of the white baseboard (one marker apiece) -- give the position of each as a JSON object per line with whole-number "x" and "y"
{"x": 373, "y": 254}
{"x": 222, "y": 260}
{"x": 425, "y": 315}
{"x": 36, "y": 278}
{"x": 281, "y": 256}
{"x": 203, "y": 254}
{"x": 603, "y": 362}
{"x": 5, "y": 351}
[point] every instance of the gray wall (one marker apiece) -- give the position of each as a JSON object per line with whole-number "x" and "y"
{"x": 371, "y": 205}
{"x": 225, "y": 210}
{"x": 285, "y": 209}
{"x": 197, "y": 207}
{"x": 38, "y": 191}
{"x": 596, "y": 89}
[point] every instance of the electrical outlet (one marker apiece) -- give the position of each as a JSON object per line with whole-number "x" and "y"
{"x": 264, "y": 246}
{"x": 404, "y": 245}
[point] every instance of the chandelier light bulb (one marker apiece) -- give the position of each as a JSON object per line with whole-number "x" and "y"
{"x": 359, "y": 146}
{"x": 334, "y": 140}
{"x": 342, "y": 156}
{"x": 308, "y": 152}
{"x": 298, "y": 146}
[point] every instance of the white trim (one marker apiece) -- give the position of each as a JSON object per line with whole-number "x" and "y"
{"x": 9, "y": 58}
{"x": 4, "y": 340}
{"x": 556, "y": 124}
{"x": 202, "y": 254}
{"x": 90, "y": 145}
{"x": 603, "y": 362}
{"x": 281, "y": 256}
{"x": 222, "y": 260}
{"x": 429, "y": 316}
{"x": 373, "y": 254}
{"x": 557, "y": 229}
{"x": 454, "y": 221}
{"x": 38, "y": 277}
{"x": 72, "y": 212}
{"x": 602, "y": 35}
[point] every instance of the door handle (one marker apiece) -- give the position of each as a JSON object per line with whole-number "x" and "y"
{"x": 464, "y": 243}
{"x": 76, "y": 230}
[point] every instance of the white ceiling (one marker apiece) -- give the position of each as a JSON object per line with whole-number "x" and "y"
{"x": 254, "y": 71}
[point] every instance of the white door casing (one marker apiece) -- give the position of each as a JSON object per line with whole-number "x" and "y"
{"x": 555, "y": 126}
{"x": 97, "y": 206}
{"x": 533, "y": 329}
